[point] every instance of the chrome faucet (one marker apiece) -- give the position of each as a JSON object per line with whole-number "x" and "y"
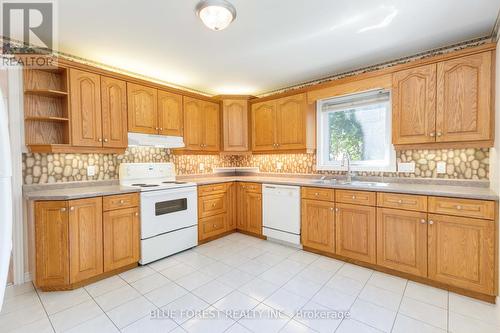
{"x": 347, "y": 158}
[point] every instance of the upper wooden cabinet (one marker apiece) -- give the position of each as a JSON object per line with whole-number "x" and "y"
{"x": 414, "y": 105}
{"x": 448, "y": 102}
{"x": 170, "y": 117}
{"x": 235, "y": 125}
{"x": 98, "y": 111}
{"x": 464, "y": 107}
{"x": 85, "y": 98}
{"x": 142, "y": 109}
{"x": 202, "y": 125}
{"x": 114, "y": 112}
{"x": 284, "y": 124}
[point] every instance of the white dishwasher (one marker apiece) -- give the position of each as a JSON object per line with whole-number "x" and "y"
{"x": 281, "y": 212}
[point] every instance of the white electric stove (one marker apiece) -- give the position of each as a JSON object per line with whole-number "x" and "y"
{"x": 169, "y": 213}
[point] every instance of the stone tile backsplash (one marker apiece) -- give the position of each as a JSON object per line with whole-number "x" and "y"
{"x": 51, "y": 168}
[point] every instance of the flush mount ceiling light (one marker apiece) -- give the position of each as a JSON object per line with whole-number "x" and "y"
{"x": 216, "y": 14}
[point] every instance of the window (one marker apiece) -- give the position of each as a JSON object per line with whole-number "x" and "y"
{"x": 359, "y": 125}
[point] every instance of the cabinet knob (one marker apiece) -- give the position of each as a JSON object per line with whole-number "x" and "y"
{"x": 431, "y": 222}
{"x": 122, "y": 202}
{"x": 161, "y": 128}
{"x": 316, "y": 194}
{"x": 213, "y": 205}
{"x": 100, "y": 140}
{"x": 459, "y": 207}
{"x": 423, "y": 221}
{"x": 215, "y": 225}
{"x": 400, "y": 201}
{"x": 105, "y": 140}
{"x": 136, "y": 214}
{"x": 63, "y": 209}
{"x": 71, "y": 208}
{"x": 353, "y": 197}
{"x": 157, "y": 128}
{"x": 439, "y": 134}
{"x": 432, "y": 134}
{"x": 337, "y": 210}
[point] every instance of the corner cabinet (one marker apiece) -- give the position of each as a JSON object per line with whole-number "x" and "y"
{"x": 445, "y": 104}
{"x": 235, "y": 125}
{"x": 202, "y": 125}
{"x": 282, "y": 125}
{"x": 75, "y": 243}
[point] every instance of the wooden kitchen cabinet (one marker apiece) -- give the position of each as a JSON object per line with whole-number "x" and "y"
{"x": 282, "y": 125}
{"x": 85, "y": 100}
{"x": 464, "y": 99}
{"x": 85, "y": 238}
{"x": 232, "y": 214}
{"x": 318, "y": 225}
{"x": 114, "y": 113}
{"x": 445, "y": 104}
{"x": 402, "y": 240}
{"x": 462, "y": 252}
{"x": 170, "y": 114}
{"x": 142, "y": 109}
{"x": 250, "y": 208}
{"x": 51, "y": 244}
{"x": 414, "y": 105}
{"x": 215, "y": 211}
{"x": 202, "y": 125}
{"x": 235, "y": 125}
{"x": 356, "y": 232}
{"x": 121, "y": 234}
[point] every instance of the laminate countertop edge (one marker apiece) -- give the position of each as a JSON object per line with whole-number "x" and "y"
{"x": 77, "y": 192}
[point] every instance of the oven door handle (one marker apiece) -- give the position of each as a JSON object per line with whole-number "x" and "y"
{"x": 169, "y": 192}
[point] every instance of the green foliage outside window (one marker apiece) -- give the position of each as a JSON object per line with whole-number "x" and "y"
{"x": 346, "y": 135}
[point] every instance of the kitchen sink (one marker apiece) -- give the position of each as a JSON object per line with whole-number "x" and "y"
{"x": 361, "y": 183}
{"x": 325, "y": 181}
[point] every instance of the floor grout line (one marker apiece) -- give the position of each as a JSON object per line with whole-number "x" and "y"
{"x": 44, "y": 309}
{"x": 399, "y": 306}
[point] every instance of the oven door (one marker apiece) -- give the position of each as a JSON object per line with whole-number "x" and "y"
{"x": 168, "y": 210}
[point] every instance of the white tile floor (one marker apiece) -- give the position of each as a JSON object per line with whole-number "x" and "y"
{"x": 235, "y": 274}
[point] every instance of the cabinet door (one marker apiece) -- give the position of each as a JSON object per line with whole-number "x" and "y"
{"x": 464, "y": 105}
{"x": 235, "y": 124}
{"x": 211, "y": 226}
{"x": 170, "y": 116}
{"x": 462, "y": 252}
{"x": 193, "y": 124}
{"x": 253, "y": 212}
{"x": 51, "y": 244}
{"x": 402, "y": 240}
{"x": 85, "y": 97}
{"x": 318, "y": 225}
{"x": 114, "y": 113}
{"x": 211, "y": 126}
{"x": 142, "y": 109}
{"x": 355, "y": 232}
{"x": 241, "y": 222}
{"x": 414, "y": 105}
{"x": 231, "y": 206}
{"x": 121, "y": 238}
{"x": 264, "y": 126}
{"x": 291, "y": 122}
{"x": 85, "y": 238}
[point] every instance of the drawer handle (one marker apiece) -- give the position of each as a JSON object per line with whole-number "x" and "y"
{"x": 400, "y": 201}
{"x": 353, "y": 197}
{"x": 316, "y": 194}
{"x": 423, "y": 221}
{"x": 459, "y": 207}
{"x": 431, "y": 222}
{"x": 122, "y": 202}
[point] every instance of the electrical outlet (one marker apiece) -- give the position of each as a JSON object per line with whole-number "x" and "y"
{"x": 406, "y": 167}
{"x": 279, "y": 165}
{"x": 201, "y": 167}
{"x": 91, "y": 170}
{"x": 441, "y": 167}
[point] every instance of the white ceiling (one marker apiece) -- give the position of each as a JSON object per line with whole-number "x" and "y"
{"x": 271, "y": 44}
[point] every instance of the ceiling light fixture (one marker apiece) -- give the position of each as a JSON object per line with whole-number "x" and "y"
{"x": 216, "y": 14}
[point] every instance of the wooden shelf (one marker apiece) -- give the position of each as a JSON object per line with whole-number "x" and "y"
{"x": 46, "y": 92}
{"x": 52, "y": 119}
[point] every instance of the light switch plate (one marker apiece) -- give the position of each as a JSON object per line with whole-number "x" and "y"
{"x": 91, "y": 170}
{"x": 406, "y": 167}
{"x": 201, "y": 167}
{"x": 279, "y": 165}
{"x": 441, "y": 167}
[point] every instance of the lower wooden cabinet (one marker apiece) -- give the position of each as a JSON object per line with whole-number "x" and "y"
{"x": 215, "y": 210}
{"x": 462, "y": 252}
{"x": 355, "y": 232}
{"x": 75, "y": 242}
{"x": 121, "y": 231}
{"x": 85, "y": 239}
{"x": 318, "y": 225}
{"x": 402, "y": 240}
{"x": 250, "y": 208}
{"x": 211, "y": 226}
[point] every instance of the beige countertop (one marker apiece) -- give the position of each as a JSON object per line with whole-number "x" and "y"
{"x": 76, "y": 190}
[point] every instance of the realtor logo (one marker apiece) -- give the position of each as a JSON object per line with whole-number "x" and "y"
{"x": 28, "y": 27}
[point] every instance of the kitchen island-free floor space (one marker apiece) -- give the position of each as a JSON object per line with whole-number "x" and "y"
{"x": 244, "y": 284}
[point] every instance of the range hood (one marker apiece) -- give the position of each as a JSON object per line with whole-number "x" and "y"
{"x": 151, "y": 140}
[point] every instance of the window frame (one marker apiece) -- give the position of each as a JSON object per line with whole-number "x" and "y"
{"x": 322, "y": 162}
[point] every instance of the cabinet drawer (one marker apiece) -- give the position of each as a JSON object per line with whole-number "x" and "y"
{"x": 120, "y": 201}
{"x": 356, "y": 197}
{"x": 252, "y": 187}
{"x": 317, "y": 193}
{"x": 212, "y": 189}
{"x": 211, "y": 226}
{"x": 212, "y": 205}
{"x": 462, "y": 207}
{"x": 402, "y": 201}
